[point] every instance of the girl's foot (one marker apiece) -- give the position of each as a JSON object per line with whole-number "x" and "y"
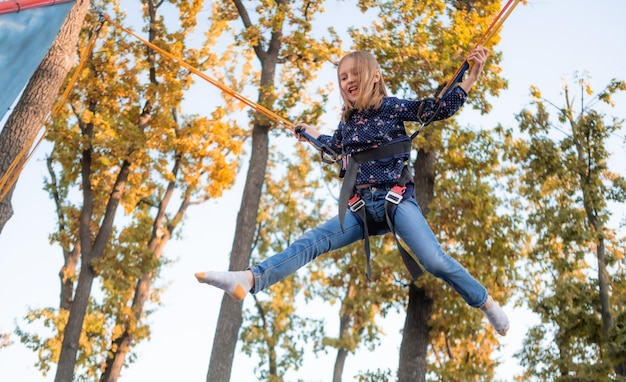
{"x": 236, "y": 284}
{"x": 496, "y": 316}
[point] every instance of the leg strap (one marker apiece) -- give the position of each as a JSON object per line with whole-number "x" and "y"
{"x": 356, "y": 205}
{"x": 410, "y": 261}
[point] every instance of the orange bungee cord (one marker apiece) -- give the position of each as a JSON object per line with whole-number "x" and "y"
{"x": 263, "y": 110}
{"x": 326, "y": 153}
{"x": 495, "y": 25}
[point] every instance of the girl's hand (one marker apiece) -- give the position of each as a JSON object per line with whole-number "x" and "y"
{"x": 477, "y": 58}
{"x": 307, "y": 129}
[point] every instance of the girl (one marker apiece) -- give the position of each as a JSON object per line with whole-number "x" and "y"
{"x": 370, "y": 120}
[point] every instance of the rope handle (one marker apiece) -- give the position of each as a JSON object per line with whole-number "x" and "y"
{"x": 326, "y": 152}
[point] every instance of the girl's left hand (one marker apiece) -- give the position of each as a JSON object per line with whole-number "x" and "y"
{"x": 478, "y": 57}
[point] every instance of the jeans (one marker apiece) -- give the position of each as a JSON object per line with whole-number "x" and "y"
{"x": 411, "y": 227}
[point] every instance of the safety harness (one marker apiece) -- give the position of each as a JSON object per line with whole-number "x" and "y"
{"x": 349, "y": 199}
{"x": 403, "y": 189}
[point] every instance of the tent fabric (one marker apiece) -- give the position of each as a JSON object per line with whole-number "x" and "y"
{"x": 25, "y": 38}
{"x": 11, "y": 6}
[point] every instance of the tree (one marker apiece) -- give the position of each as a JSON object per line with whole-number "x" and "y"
{"x": 576, "y": 276}
{"x": 478, "y": 224}
{"x": 341, "y": 277}
{"x": 278, "y": 35}
{"x": 139, "y": 165}
{"x": 457, "y": 173}
{"x": 34, "y": 105}
{"x": 274, "y": 330}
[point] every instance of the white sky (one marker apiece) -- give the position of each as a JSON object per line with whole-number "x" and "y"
{"x": 543, "y": 42}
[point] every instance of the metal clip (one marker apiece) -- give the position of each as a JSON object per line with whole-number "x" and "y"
{"x": 395, "y": 194}
{"x": 356, "y": 203}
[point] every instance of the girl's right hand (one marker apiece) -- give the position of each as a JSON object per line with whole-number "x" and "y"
{"x": 307, "y": 129}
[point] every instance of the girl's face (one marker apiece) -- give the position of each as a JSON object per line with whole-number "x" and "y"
{"x": 356, "y": 77}
{"x": 349, "y": 79}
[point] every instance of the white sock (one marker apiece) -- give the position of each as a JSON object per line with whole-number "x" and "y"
{"x": 236, "y": 284}
{"x": 496, "y": 316}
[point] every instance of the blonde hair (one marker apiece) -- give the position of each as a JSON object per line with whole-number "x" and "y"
{"x": 371, "y": 92}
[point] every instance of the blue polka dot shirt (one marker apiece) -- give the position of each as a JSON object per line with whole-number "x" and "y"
{"x": 369, "y": 129}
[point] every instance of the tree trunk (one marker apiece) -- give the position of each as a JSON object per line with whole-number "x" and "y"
{"x": 73, "y": 329}
{"x": 340, "y": 362}
{"x": 415, "y": 336}
{"x": 605, "y": 307}
{"x": 344, "y": 324}
{"x": 36, "y": 101}
{"x": 229, "y": 320}
{"x": 414, "y": 346}
{"x": 67, "y": 274}
{"x": 122, "y": 344}
{"x": 424, "y": 179}
{"x": 6, "y": 208}
{"x": 160, "y": 237}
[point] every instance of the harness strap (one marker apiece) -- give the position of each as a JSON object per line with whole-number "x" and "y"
{"x": 347, "y": 188}
{"x": 391, "y": 203}
{"x": 366, "y": 240}
{"x": 410, "y": 261}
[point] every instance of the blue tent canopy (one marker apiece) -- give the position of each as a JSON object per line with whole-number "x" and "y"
{"x": 25, "y": 38}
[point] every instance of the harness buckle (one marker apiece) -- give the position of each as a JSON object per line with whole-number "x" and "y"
{"x": 355, "y": 203}
{"x": 395, "y": 194}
